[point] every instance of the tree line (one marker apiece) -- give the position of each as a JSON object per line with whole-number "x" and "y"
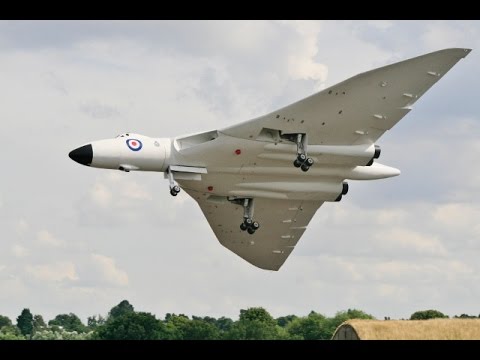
{"x": 123, "y": 322}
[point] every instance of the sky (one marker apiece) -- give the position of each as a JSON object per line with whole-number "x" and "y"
{"x": 77, "y": 239}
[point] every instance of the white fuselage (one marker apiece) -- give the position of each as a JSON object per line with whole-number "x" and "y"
{"x": 239, "y": 167}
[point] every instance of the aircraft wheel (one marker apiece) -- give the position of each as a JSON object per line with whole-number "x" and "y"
{"x": 248, "y": 222}
{"x": 243, "y": 227}
{"x": 251, "y": 231}
{"x": 255, "y": 225}
{"x": 301, "y": 158}
{"x": 297, "y": 163}
{"x": 173, "y": 192}
{"x": 309, "y": 162}
{"x": 305, "y": 167}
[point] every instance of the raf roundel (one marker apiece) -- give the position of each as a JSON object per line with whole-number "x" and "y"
{"x": 134, "y": 144}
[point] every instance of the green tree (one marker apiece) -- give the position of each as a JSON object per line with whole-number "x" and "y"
{"x": 465, "y": 316}
{"x": 131, "y": 326}
{"x": 5, "y": 321}
{"x": 284, "y": 320}
{"x": 59, "y": 334}
{"x": 69, "y": 322}
{"x": 207, "y": 319}
{"x": 25, "y": 322}
{"x": 38, "y": 323}
{"x": 11, "y": 332}
{"x": 94, "y": 321}
{"x": 121, "y": 309}
{"x": 256, "y": 314}
{"x": 427, "y": 314}
{"x": 312, "y": 327}
{"x": 254, "y": 324}
{"x": 176, "y": 326}
{"x": 200, "y": 329}
{"x": 224, "y": 324}
{"x": 342, "y": 316}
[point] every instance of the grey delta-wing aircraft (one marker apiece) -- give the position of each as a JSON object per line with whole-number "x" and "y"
{"x": 260, "y": 182}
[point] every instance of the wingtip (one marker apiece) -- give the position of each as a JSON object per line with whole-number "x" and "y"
{"x": 467, "y": 51}
{"x": 458, "y": 52}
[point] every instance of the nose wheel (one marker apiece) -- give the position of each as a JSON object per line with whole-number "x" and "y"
{"x": 174, "y": 190}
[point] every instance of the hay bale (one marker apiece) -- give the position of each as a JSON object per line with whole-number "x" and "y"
{"x": 434, "y": 329}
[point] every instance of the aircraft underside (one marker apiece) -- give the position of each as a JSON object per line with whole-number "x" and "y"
{"x": 260, "y": 182}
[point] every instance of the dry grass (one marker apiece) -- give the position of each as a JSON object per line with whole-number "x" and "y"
{"x": 434, "y": 329}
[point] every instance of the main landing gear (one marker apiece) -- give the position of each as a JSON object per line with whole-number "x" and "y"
{"x": 302, "y": 161}
{"x": 174, "y": 188}
{"x": 248, "y": 223}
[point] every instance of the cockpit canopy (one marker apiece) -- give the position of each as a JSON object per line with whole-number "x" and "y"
{"x": 123, "y": 135}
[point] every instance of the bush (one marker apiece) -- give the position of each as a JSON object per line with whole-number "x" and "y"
{"x": 427, "y": 314}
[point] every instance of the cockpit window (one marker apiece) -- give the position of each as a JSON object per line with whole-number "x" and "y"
{"x": 122, "y": 135}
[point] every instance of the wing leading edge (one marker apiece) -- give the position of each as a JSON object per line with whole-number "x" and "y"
{"x": 360, "y": 109}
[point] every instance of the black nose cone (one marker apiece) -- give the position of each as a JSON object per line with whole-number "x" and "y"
{"x": 83, "y": 155}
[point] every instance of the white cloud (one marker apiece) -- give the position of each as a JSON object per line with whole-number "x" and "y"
{"x": 301, "y": 58}
{"x": 390, "y": 216}
{"x": 380, "y": 24}
{"x": 101, "y": 195}
{"x": 62, "y": 270}
{"x": 392, "y": 291}
{"x": 132, "y": 190}
{"x": 19, "y": 251}
{"x": 455, "y": 270}
{"x": 99, "y": 111}
{"x": 12, "y": 289}
{"x": 109, "y": 270}
{"x": 441, "y": 34}
{"x": 401, "y": 269}
{"x": 406, "y": 239}
{"x": 53, "y": 81}
{"x": 457, "y": 215}
{"x": 21, "y": 227}
{"x": 44, "y": 237}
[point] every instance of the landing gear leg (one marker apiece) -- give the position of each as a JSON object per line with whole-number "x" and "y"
{"x": 302, "y": 161}
{"x": 248, "y": 223}
{"x": 174, "y": 188}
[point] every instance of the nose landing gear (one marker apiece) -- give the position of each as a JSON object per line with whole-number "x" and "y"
{"x": 174, "y": 188}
